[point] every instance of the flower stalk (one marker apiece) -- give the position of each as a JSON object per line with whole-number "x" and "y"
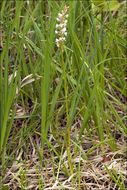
{"x": 61, "y": 31}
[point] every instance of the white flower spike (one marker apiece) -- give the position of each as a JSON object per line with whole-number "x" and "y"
{"x": 61, "y": 27}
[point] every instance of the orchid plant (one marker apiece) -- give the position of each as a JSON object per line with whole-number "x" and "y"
{"x": 61, "y": 31}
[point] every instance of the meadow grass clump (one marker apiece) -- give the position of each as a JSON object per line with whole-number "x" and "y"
{"x": 62, "y": 95}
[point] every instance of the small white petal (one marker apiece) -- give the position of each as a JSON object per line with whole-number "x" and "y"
{"x": 63, "y": 30}
{"x": 64, "y": 24}
{"x": 56, "y": 32}
{"x": 57, "y": 25}
{"x": 57, "y": 40}
{"x": 60, "y": 15}
{"x": 65, "y": 33}
{"x": 62, "y": 39}
{"x": 61, "y": 25}
{"x": 58, "y": 43}
{"x": 58, "y": 19}
{"x": 67, "y": 16}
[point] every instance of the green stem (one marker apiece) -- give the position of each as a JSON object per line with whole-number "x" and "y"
{"x": 67, "y": 113}
{"x": 102, "y": 47}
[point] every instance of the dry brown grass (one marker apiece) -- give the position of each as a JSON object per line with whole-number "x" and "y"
{"x": 92, "y": 174}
